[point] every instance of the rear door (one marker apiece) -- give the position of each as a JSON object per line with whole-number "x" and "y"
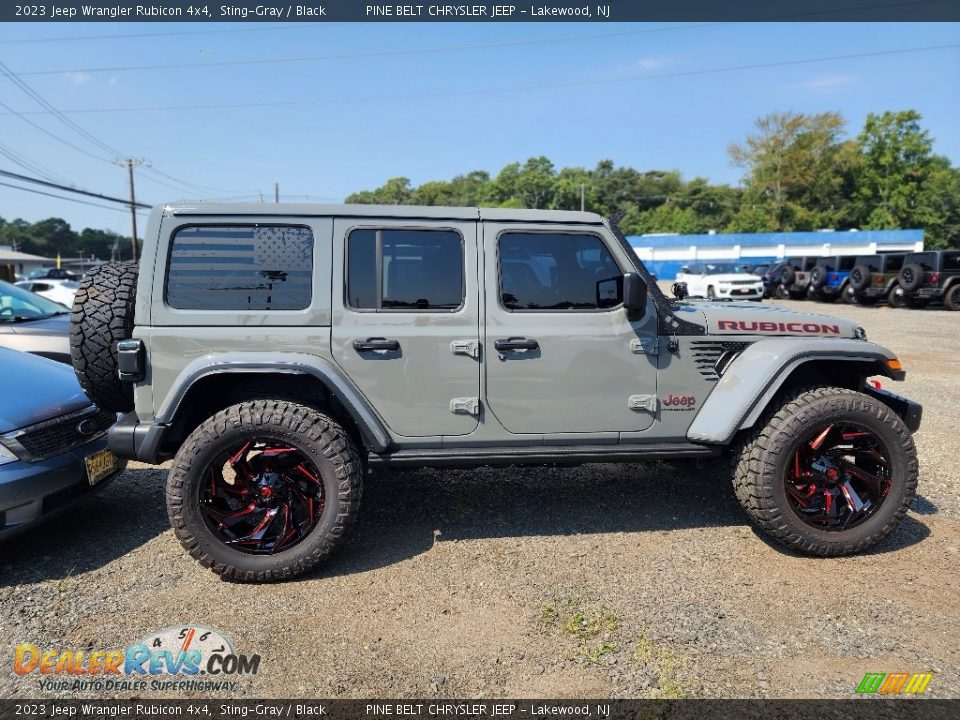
{"x": 561, "y": 355}
{"x": 406, "y": 321}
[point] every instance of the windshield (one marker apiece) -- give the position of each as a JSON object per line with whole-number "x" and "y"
{"x": 18, "y": 305}
{"x": 722, "y": 268}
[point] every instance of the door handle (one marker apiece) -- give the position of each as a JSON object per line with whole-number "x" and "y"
{"x": 376, "y": 343}
{"x": 516, "y": 343}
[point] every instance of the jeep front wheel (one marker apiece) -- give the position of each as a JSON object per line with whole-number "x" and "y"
{"x": 827, "y": 472}
{"x": 264, "y": 490}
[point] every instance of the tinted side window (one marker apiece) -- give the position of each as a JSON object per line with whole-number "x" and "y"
{"x": 244, "y": 267}
{"x": 404, "y": 269}
{"x": 846, "y": 263}
{"x": 558, "y": 272}
{"x": 893, "y": 263}
{"x": 951, "y": 261}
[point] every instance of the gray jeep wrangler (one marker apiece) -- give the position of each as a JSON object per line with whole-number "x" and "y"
{"x": 277, "y": 352}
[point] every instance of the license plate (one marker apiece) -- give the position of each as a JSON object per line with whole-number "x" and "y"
{"x": 99, "y": 465}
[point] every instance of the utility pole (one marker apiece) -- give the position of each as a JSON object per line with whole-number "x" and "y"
{"x": 276, "y": 192}
{"x": 582, "y": 204}
{"x": 130, "y": 164}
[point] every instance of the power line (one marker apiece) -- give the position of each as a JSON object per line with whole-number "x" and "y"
{"x": 61, "y": 197}
{"x": 27, "y": 164}
{"x": 516, "y": 88}
{"x": 80, "y": 38}
{"x": 67, "y": 188}
{"x": 52, "y": 134}
{"x": 372, "y": 54}
{"x": 56, "y": 113}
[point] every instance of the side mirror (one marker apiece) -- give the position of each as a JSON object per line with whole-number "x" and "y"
{"x": 634, "y": 295}
{"x": 679, "y": 290}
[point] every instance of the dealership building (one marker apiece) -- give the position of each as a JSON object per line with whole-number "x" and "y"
{"x": 665, "y": 254}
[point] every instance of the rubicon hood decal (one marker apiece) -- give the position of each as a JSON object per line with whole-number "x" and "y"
{"x": 738, "y": 319}
{"x": 780, "y": 328}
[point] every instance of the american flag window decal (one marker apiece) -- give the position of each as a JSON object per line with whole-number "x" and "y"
{"x": 252, "y": 267}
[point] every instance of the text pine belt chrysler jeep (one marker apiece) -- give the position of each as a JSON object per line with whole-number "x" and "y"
{"x": 276, "y": 352}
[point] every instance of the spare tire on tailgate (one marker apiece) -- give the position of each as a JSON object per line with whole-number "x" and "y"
{"x": 102, "y": 316}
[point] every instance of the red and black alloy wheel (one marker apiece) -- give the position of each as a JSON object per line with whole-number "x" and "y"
{"x": 838, "y": 476}
{"x": 261, "y": 497}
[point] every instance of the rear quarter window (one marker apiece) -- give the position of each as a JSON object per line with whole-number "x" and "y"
{"x": 951, "y": 261}
{"x": 240, "y": 267}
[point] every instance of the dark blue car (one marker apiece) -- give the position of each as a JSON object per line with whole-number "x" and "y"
{"x": 53, "y": 445}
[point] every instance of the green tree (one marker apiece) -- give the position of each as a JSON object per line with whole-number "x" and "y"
{"x": 794, "y": 169}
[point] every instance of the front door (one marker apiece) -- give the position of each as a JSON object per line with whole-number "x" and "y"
{"x": 561, "y": 355}
{"x": 406, "y": 322}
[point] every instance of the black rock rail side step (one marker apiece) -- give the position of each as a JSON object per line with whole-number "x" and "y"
{"x": 541, "y": 455}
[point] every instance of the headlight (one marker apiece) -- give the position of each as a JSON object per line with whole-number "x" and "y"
{"x": 6, "y": 455}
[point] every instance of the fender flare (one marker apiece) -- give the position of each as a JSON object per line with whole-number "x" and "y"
{"x": 752, "y": 379}
{"x": 375, "y": 435}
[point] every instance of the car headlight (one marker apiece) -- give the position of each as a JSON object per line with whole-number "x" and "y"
{"x": 6, "y": 455}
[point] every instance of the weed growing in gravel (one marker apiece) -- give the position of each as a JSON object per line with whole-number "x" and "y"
{"x": 666, "y": 663}
{"x": 589, "y": 624}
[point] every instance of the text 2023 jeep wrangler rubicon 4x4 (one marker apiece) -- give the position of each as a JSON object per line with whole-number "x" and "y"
{"x": 275, "y": 352}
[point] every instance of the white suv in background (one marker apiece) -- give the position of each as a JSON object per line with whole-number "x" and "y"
{"x": 721, "y": 280}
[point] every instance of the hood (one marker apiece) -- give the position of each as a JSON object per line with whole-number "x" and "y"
{"x": 733, "y": 277}
{"x": 750, "y": 319}
{"x": 58, "y": 325}
{"x": 33, "y": 389}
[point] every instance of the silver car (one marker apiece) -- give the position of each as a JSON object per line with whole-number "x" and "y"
{"x": 33, "y": 324}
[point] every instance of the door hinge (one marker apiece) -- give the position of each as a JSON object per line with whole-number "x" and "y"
{"x": 466, "y": 347}
{"x": 645, "y": 346}
{"x": 642, "y": 402}
{"x": 465, "y": 406}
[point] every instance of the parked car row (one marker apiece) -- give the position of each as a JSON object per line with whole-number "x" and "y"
{"x": 53, "y": 445}
{"x": 900, "y": 279}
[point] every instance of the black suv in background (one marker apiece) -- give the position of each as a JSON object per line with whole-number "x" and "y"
{"x": 875, "y": 278}
{"x": 929, "y": 276}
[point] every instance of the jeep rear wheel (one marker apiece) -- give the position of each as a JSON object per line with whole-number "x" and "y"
{"x": 896, "y": 298}
{"x": 827, "y": 472}
{"x": 951, "y": 300}
{"x": 102, "y": 316}
{"x": 264, "y": 490}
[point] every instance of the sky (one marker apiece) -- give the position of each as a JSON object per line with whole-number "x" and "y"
{"x": 429, "y": 101}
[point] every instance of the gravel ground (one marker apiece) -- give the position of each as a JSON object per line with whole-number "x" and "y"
{"x": 601, "y": 581}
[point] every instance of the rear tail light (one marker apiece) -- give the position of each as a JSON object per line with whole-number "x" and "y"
{"x": 934, "y": 277}
{"x": 878, "y": 279}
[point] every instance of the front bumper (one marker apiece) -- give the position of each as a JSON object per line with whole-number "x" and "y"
{"x": 740, "y": 293}
{"x": 32, "y": 491}
{"x": 909, "y": 411}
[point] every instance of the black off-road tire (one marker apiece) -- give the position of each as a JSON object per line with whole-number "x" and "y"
{"x": 951, "y": 299}
{"x": 846, "y": 295}
{"x": 911, "y": 277}
{"x": 323, "y": 441}
{"x": 102, "y": 316}
{"x": 896, "y": 299}
{"x": 787, "y": 276}
{"x": 818, "y": 276}
{"x": 763, "y": 453}
{"x": 860, "y": 277}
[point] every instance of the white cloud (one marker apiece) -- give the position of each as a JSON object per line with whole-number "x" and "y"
{"x": 650, "y": 63}
{"x": 827, "y": 83}
{"x": 78, "y": 78}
